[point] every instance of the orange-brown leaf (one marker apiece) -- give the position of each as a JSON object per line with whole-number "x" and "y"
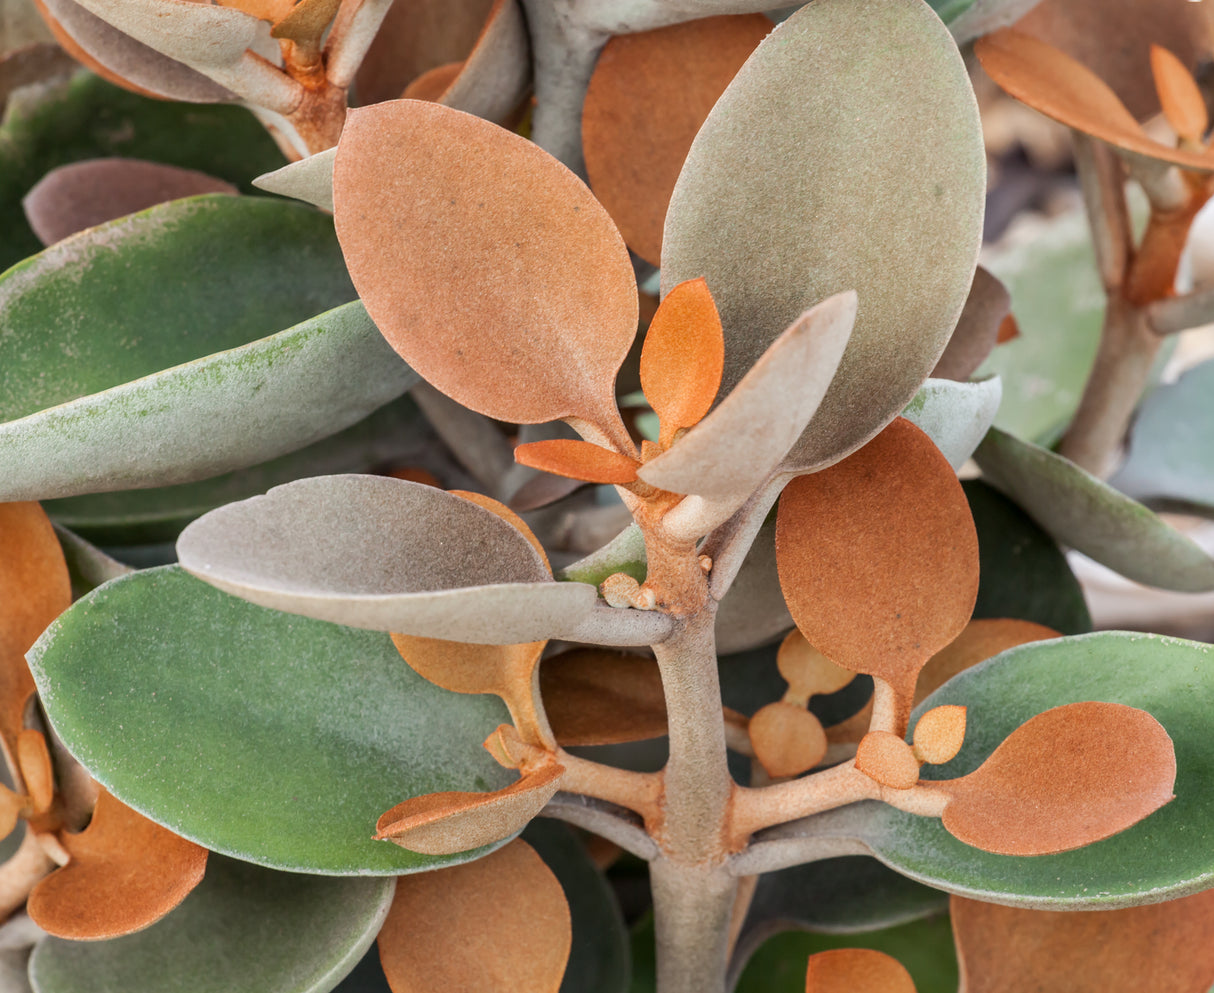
{"x": 940, "y": 734}
{"x": 878, "y": 557}
{"x": 888, "y": 759}
{"x": 594, "y": 696}
{"x": 648, "y": 98}
{"x": 445, "y": 823}
{"x": 1182, "y": 102}
{"x": 1162, "y": 947}
{"x": 807, "y": 671}
{"x": 683, "y": 357}
{"x": 499, "y": 923}
{"x": 856, "y": 970}
{"x": 1065, "y": 778}
{"x": 125, "y": 873}
{"x": 37, "y": 772}
{"x": 577, "y": 460}
{"x": 307, "y": 21}
{"x": 433, "y": 83}
{"x": 787, "y": 740}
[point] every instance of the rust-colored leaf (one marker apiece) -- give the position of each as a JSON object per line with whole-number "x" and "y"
{"x": 307, "y": 21}
{"x": 594, "y": 696}
{"x": 650, "y": 93}
{"x": 482, "y": 259}
{"x": 788, "y": 740}
{"x": 683, "y": 357}
{"x": 34, "y": 590}
{"x": 856, "y": 970}
{"x": 499, "y": 923}
{"x": 433, "y": 83}
{"x": 37, "y": 772}
{"x": 1160, "y": 948}
{"x": 1066, "y": 778}
{"x": 807, "y": 671}
{"x": 986, "y": 309}
{"x": 445, "y": 823}
{"x": 1009, "y": 330}
{"x": 1179, "y": 96}
{"x": 888, "y": 759}
{"x": 878, "y": 558}
{"x": 577, "y": 460}
{"x": 940, "y": 734}
{"x": 125, "y": 873}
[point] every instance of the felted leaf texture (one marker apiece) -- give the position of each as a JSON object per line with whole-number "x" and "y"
{"x": 1162, "y": 946}
{"x": 753, "y": 611}
{"x": 381, "y": 553}
{"x": 125, "y": 873}
{"x": 499, "y": 923}
{"x": 417, "y": 212}
{"x": 878, "y": 558}
{"x": 647, "y": 99}
{"x": 310, "y": 179}
{"x": 956, "y": 416}
{"x": 986, "y": 309}
{"x": 875, "y": 208}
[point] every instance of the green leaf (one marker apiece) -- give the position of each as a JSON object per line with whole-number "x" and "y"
{"x": 967, "y": 19}
{"x": 261, "y": 735}
{"x": 244, "y": 929}
{"x": 1170, "y": 464}
{"x": 1023, "y": 573}
{"x": 1167, "y": 855}
{"x": 830, "y": 201}
{"x": 89, "y": 118}
{"x": 954, "y": 415}
{"x": 598, "y": 958}
{"x": 624, "y": 553}
{"x": 1079, "y": 510}
{"x": 388, "y": 437}
{"x": 160, "y": 290}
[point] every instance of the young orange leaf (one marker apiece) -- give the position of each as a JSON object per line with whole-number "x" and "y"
{"x": 940, "y": 734}
{"x": 683, "y": 357}
{"x": 594, "y": 696}
{"x": 856, "y": 970}
{"x": 888, "y": 759}
{"x": 1066, "y": 778}
{"x": 34, "y": 762}
{"x": 1182, "y": 102}
{"x": 499, "y": 923}
{"x": 125, "y": 873}
{"x": 788, "y": 740}
{"x": 807, "y": 671}
{"x": 577, "y": 460}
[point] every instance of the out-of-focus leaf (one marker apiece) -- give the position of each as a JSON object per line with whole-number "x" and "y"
{"x": 595, "y": 696}
{"x": 977, "y": 330}
{"x": 753, "y": 612}
{"x": 856, "y": 970}
{"x": 385, "y": 554}
{"x": 87, "y": 565}
{"x": 245, "y": 929}
{"x": 749, "y": 219}
{"x": 956, "y": 416}
{"x": 270, "y": 737}
{"x": 1079, "y": 510}
{"x": 968, "y": 19}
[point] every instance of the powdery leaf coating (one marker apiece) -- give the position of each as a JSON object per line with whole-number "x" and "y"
{"x": 1050, "y": 81}
{"x": 848, "y": 190}
{"x": 499, "y": 923}
{"x": 577, "y": 460}
{"x": 856, "y": 970}
{"x": 34, "y": 589}
{"x": 480, "y": 257}
{"x": 594, "y": 696}
{"x": 888, "y": 759}
{"x": 1070, "y": 776}
{"x": 650, "y": 94}
{"x": 198, "y": 34}
{"x": 125, "y": 873}
{"x": 940, "y": 734}
{"x": 83, "y": 194}
{"x": 446, "y": 823}
{"x": 878, "y": 557}
{"x": 1181, "y": 99}
{"x": 1162, "y": 946}
{"x": 309, "y": 179}
{"x": 788, "y": 740}
{"x": 978, "y": 328}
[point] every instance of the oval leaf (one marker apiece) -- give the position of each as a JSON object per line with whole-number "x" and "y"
{"x": 752, "y": 219}
{"x": 956, "y": 416}
{"x": 856, "y": 970}
{"x": 416, "y": 213}
{"x": 273, "y": 738}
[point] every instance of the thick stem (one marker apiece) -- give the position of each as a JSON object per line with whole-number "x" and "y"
{"x": 692, "y": 906}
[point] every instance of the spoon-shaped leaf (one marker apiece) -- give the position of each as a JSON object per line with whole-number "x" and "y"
{"x": 956, "y": 416}
{"x": 84, "y": 194}
{"x": 598, "y": 697}
{"x": 878, "y": 557}
{"x": 977, "y": 330}
{"x": 125, "y": 873}
{"x": 447, "y": 823}
{"x": 856, "y": 970}
{"x": 845, "y": 192}
{"x": 736, "y": 447}
{"x": 417, "y": 214}
{"x": 499, "y": 923}
{"x": 788, "y": 740}
{"x": 647, "y": 99}
{"x": 382, "y": 553}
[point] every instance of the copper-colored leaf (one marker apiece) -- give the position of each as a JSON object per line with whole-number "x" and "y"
{"x": 978, "y": 328}
{"x": 577, "y": 460}
{"x": 940, "y": 734}
{"x": 788, "y": 740}
{"x": 856, "y": 970}
{"x": 594, "y": 696}
{"x": 83, "y": 194}
{"x": 307, "y": 21}
{"x": 1160, "y": 948}
{"x": 888, "y": 759}
{"x": 34, "y": 590}
{"x": 125, "y": 873}
{"x": 1066, "y": 778}
{"x": 650, "y": 93}
{"x": 480, "y": 277}
{"x": 878, "y": 557}
{"x": 1052, "y": 82}
{"x": 806, "y": 670}
{"x": 34, "y": 762}
{"x": 433, "y": 83}
{"x": 1182, "y": 102}
{"x": 682, "y": 359}
{"x": 445, "y": 823}
{"x": 499, "y": 923}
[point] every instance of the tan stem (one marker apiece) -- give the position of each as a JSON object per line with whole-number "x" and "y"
{"x": 639, "y": 791}
{"x": 692, "y": 907}
{"x": 755, "y": 809}
{"x": 28, "y": 865}
{"x": 1103, "y": 185}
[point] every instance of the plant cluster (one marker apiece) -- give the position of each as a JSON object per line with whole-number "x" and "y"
{"x": 430, "y": 562}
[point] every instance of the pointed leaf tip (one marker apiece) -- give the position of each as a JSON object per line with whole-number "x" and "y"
{"x": 577, "y": 460}
{"x": 1181, "y": 99}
